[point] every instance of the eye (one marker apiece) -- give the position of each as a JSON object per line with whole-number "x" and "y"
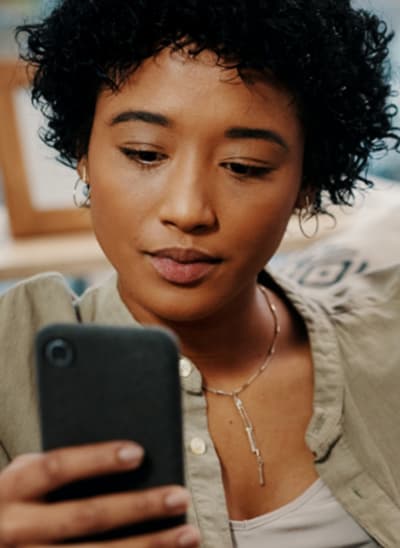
{"x": 145, "y": 158}
{"x": 247, "y": 170}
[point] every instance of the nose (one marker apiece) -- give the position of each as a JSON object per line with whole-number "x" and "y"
{"x": 187, "y": 202}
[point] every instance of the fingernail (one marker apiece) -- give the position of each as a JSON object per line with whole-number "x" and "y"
{"x": 189, "y": 539}
{"x": 131, "y": 453}
{"x": 177, "y": 499}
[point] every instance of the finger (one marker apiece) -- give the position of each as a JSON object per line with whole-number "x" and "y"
{"x": 31, "y": 477}
{"x": 22, "y": 460}
{"x": 185, "y": 536}
{"x": 22, "y": 523}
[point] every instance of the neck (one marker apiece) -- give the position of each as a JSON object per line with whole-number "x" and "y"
{"x": 229, "y": 345}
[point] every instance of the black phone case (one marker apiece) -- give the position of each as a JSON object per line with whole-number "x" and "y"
{"x": 99, "y": 383}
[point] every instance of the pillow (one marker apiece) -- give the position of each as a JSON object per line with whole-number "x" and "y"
{"x": 365, "y": 238}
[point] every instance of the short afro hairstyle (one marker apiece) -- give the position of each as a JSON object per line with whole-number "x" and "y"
{"x": 331, "y": 57}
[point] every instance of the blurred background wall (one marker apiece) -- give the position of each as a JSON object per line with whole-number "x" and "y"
{"x": 72, "y": 250}
{"x": 389, "y": 10}
{"x": 13, "y": 12}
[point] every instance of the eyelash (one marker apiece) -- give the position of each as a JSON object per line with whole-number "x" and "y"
{"x": 238, "y": 169}
{"x": 251, "y": 171}
{"x": 137, "y": 156}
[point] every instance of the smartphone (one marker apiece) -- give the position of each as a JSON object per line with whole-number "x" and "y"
{"x": 98, "y": 383}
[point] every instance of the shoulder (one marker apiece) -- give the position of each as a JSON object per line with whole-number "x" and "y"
{"x": 366, "y": 316}
{"x": 37, "y": 285}
{"x": 375, "y": 289}
{"x": 28, "y": 306}
{"x": 378, "y": 287}
{"x": 35, "y": 298}
{"x": 24, "y": 309}
{"x": 360, "y": 317}
{"x": 353, "y": 329}
{"x": 103, "y": 304}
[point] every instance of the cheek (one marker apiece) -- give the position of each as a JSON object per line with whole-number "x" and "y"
{"x": 116, "y": 199}
{"x": 258, "y": 224}
{"x": 113, "y": 220}
{"x": 258, "y": 240}
{"x": 123, "y": 217}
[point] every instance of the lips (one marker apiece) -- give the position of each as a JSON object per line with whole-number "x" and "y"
{"x": 183, "y": 266}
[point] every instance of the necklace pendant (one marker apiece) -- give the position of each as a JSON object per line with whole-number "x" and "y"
{"x": 260, "y": 465}
{"x": 248, "y": 426}
{"x": 261, "y": 476}
{"x": 234, "y": 394}
{"x": 252, "y": 441}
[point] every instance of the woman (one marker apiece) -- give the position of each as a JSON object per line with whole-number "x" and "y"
{"x": 198, "y": 129}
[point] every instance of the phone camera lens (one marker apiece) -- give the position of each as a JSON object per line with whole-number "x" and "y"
{"x": 59, "y": 353}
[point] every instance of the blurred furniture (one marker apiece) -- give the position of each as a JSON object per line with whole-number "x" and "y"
{"x": 71, "y": 254}
{"x": 377, "y": 207}
{"x": 36, "y": 238}
{"x": 25, "y": 163}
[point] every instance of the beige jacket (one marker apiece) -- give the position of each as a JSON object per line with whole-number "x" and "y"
{"x": 355, "y": 429}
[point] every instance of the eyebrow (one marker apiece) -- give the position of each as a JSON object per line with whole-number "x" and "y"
{"x": 256, "y": 133}
{"x": 141, "y": 116}
{"x": 232, "y": 133}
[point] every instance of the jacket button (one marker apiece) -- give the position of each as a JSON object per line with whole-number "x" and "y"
{"x": 198, "y": 446}
{"x": 185, "y": 367}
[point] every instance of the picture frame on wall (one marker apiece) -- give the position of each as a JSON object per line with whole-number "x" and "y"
{"x": 38, "y": 189}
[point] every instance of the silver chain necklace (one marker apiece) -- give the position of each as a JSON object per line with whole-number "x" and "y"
{"x": 234, "y": 394}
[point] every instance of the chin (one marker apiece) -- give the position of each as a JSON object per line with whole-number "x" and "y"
{"x": 175, "y": 304}
{"x": 161, "y": 302}
{"x": 183, "y": 312}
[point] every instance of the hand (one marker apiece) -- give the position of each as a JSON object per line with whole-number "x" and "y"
{"x": 26, "y": 519}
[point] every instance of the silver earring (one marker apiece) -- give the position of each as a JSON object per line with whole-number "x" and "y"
{"x": 305, "y": 215}
{"x": 81, "y": 192}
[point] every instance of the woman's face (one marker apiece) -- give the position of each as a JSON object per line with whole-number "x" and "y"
{"x": 193, "y": 176}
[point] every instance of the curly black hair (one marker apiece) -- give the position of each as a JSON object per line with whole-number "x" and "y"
{"x": 331, "y": 57}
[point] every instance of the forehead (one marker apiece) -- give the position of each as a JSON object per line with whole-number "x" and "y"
{"x": 199, "y": 91}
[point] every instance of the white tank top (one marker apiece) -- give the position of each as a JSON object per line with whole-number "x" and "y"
{"x": 313, "y": 520}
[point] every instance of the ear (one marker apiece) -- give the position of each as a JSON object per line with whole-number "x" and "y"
{"x": 305, "y": 198}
